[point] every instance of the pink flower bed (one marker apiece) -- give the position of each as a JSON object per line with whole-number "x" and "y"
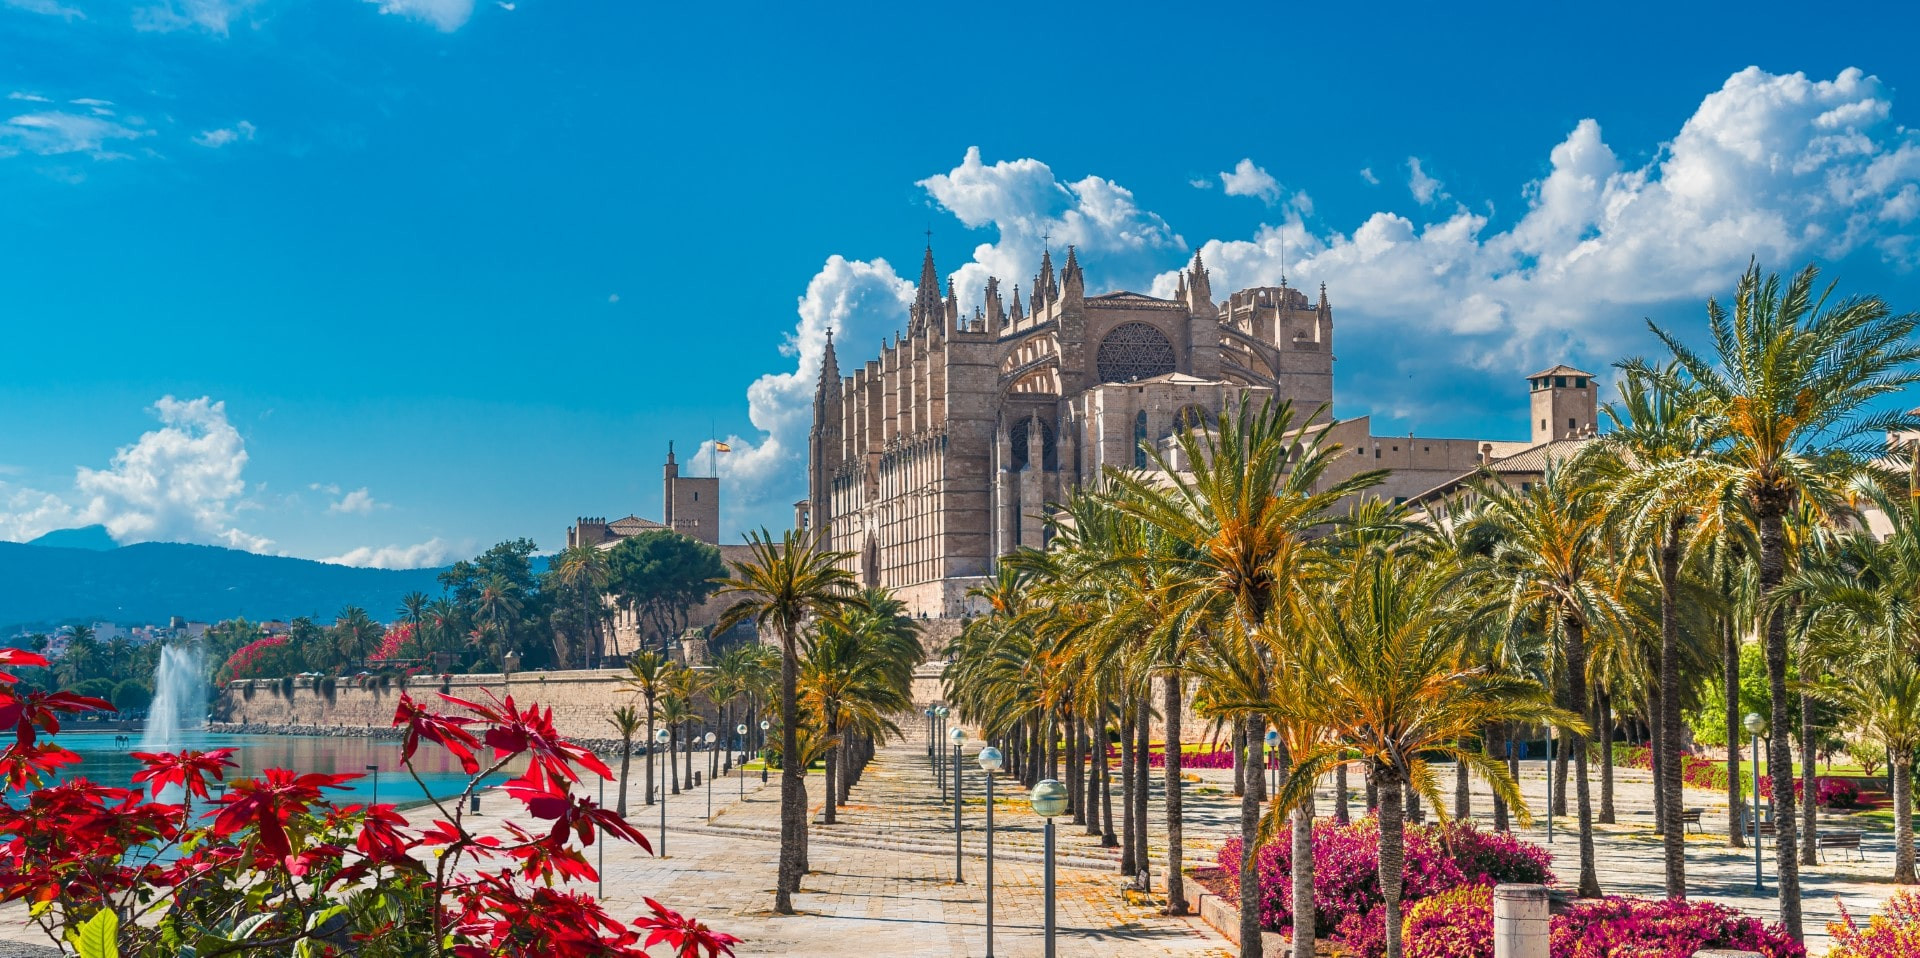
{"x": 1894, "y": 933}
{"x": 1459, "y": 924}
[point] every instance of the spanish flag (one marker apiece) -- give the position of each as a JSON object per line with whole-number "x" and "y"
{"x": 719, "y": 446}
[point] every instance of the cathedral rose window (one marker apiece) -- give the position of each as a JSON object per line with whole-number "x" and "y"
{"x": 1134, "y": 351}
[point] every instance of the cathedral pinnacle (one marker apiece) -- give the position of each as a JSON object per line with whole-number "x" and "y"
{"x": 927, "y": 302}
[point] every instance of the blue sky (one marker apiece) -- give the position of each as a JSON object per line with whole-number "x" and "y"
{"x": 385, "y": 281}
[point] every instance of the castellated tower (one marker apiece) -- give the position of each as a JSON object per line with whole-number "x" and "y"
{"x": 691, "y": 503}
{"x": 1564, "y": 402}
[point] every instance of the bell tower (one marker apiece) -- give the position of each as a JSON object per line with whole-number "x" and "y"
{"x": 1564, "y": 402}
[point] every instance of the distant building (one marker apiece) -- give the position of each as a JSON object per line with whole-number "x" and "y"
{"x": 691, "y": 505}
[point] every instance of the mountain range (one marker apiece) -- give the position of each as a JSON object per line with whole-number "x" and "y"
{"x": 82, "y": 574}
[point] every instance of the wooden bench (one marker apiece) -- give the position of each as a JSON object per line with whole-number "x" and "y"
{"x": 1845, "y": 839}
{"x": 1766, "y": 828}
{"x": 1691, "y": 817}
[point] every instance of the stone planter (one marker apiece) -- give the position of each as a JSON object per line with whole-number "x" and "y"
{"x": 1224, "y": 915}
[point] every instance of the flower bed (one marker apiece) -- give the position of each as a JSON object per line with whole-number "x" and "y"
{"x": 1459, "y": 924}
{"x": 1894, "y": 933}
{"x": 1696, "y": 772}
{"x": 1346, "y": 887}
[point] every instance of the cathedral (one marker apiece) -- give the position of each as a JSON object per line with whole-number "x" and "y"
{"x": 943, "y": 452}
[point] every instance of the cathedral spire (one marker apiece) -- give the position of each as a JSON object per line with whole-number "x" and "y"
{"x": 927, "y": 302}
{"x": 1072, "y": 281}
{"x": 829, "y": 368}
{"x": 1323, "y": 297}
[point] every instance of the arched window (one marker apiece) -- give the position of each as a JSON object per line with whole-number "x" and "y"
{"x": 1134, "y": 351}
{"x": 1140, "y": 440}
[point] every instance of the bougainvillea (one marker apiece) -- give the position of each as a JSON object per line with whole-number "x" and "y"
{"x": 263, "y": 658}
{"x": 1662, "y": 928}
{"x": 273, "y": 867}
{"x": 1346, "y": 863}
{"x": 1707, "y": 774}
{"x": 1894, "y": 933}
{"x": 391, "y": 642}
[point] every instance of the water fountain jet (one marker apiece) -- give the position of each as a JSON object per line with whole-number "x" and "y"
{"x": 179, "y": 697}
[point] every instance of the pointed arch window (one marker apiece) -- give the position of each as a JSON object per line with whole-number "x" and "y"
{"x": 1140, "y": 440}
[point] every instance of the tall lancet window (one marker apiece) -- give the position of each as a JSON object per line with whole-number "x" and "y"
{"x": 1140, "y": 440}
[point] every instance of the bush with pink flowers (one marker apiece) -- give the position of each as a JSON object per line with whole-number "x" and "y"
{"x": 1346, "y": 862}
{"x": 1452, "y": 924}
{"x": 1662, "y": 928}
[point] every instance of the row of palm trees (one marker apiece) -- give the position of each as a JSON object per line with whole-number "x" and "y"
{"x": 1262, "y": 587}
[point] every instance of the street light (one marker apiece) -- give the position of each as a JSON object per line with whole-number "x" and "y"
{"x": 959, "y": 737}
{"x": 939, "y": 753}
{"x": 1549, "y": 785}
{"x": 1273, "y": 769}
{"x": 1049, "y": 798}
{"x": 764, "y": 725}
{"x": 660, "y": 738}
{"x": 990, "y": 762}
{"x": 740, "y": 742}
{"x": 375, "y": 769}
{"x": 1755, "y": 725}
{"x": 709, "y": 740}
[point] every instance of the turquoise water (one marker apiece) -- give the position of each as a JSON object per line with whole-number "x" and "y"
{"x": 104, "y": 761}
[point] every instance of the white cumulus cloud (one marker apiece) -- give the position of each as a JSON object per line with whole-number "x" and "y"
{"x": 1246, "y": 179}
{"x": 423, "y": 555}
{"x": 179, "y": 483}
{"x": 445, "y": 15}
{"x": 358, "y": 502}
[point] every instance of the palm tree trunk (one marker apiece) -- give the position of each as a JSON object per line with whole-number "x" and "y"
{"x": 1730, "y": 682}
{"x": 1902, "y": 761}
{"x": 1603, "y": 727}
{"x": 1076, "y": 795}
{"x": 1252, "y": 740}
{"x": 688, "y": 750}
{"x": 1373, "y": 794}
{"x": 1576, "y": 743}
{"x": 1142, "y": 781}
{"x": 793, "y": 789}
{"x": 1497, "y": 737}
{"x": 1393, "y": 856}
{"x": 1462, "y": 791}
{"x": 1096, "y": 753}
{"x": 1128, "y": 866}
{"x": 1773, "y": 567}
{"x": 1340, "y": 793}
{"x": 1810, "y": 779}
{"x": 1176, "y": 881}
{"x": 833, "y": 762}
{"x": 673, "y": 765}
{"x": 1657, "y": 751}
{"x": 1561, "y": 753}
{"x": 1240, "y": 755}
{"x": 1107, "y": 837}
{"x": 626, "y": 762}
{"x": 1415, "y": 812}
{"x": 1302, "y": 854}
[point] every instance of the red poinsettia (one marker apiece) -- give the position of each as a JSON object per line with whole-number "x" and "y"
{"x": 40, "y": 710}
{"x": 687, "y": 937}
{"x": 511, "y": 731}
{"x": 434, "y": 727}
{"x": 19, "y": 657}
{"x": 187, "y": 769}
{"x": 269, "y": 802}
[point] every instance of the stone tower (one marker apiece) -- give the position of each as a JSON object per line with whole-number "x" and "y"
{"x": 1565, "y": 403}
{"x": 691, "y": 503}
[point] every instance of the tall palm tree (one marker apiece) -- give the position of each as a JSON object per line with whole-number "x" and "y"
{"x": 848, "y": 684}
{"x": 647, "y": 673}
{"x": 676, "y": 710}
{"x": 497, "y": 610}
{"x": 1793, "y": 381}
{"x": 1550, "y": 547}
{"x": 355, "y": 634}
{"x": 626, "y": 721}
{"x": 413, "y": 610}
{"x": 783, "y": 586}
{"x": 1393, "y": 675}
{"x": 1254, "y": 489}
{"x": 582, "y": 572}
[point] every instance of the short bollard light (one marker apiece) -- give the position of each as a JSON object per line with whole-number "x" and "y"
{"x": 959, "y": 737}
{"x": 990, "y": 761}
{"x": 660, "y": 738}
{"x": 1049, "y": 798}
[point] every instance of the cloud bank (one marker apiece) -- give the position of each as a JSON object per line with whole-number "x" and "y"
{"x": 1781, "y": 167}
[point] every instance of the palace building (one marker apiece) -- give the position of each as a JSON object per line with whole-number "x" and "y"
{"x": 941, "y": 453}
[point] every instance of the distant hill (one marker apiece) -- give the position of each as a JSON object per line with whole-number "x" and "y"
{"x": 85, "y": 537}
{"x": 50, "y": 583}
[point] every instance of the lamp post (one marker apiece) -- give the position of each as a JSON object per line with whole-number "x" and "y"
{"x": 602, "y": 866}
{"x": 740, "y": 743}
{"x": 990, "y": 762}
{"x": 375, "y": 769}
{"x": 1273, "y": 768}
{"x": 939, "y": 751}
{"x": 1549, "y": 785}
{"x": 709, "y": 741}
{"x": 1755, "y": 725}
{"x": 1049, "y": 798}
{"x": 660, "y": 738}
{"x": 958, "y": 736}
{"x": 764, "y": 725}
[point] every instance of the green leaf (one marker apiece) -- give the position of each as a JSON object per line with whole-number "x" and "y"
{"x": 323, "y": 916}
{"x": 100, "y": 936}
{"x": 245, "y": 929}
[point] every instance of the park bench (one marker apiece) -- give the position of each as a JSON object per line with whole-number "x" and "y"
{"x": 1691, "y": 817}
{"x": 1845, "y": 839}
{"x": 1766, "y": 828}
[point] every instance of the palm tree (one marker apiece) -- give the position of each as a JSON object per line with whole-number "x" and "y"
{"x": 1792, "y": 383}
{"x": 676, "y": 710}
{"x": 647, "y": 673}
{"x": 582, "y": 571}
{"x": 1258, "y": 491}
{"x": 355, "y": 634}
{"x": 847, "y": 683}
{"x": 783, "y": 586}
{"x": 413, "y": 610}
{"x": 1392, "y": 674}
{"x": 497, "y": 609}
{"x": 1550, "y": 549}
{"x": 627, "y": 722}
